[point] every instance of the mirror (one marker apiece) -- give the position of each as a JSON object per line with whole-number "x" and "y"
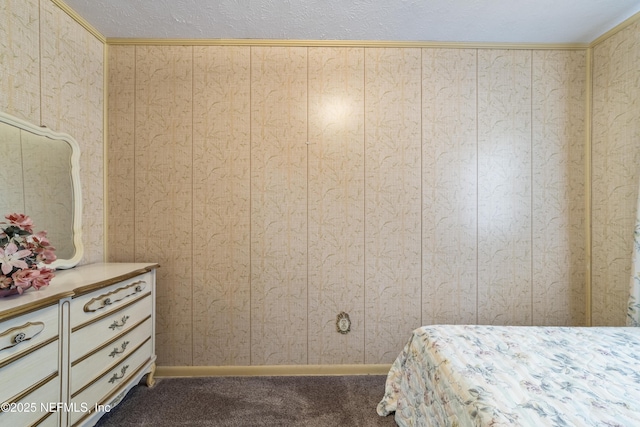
{"x": 40, "y": 178}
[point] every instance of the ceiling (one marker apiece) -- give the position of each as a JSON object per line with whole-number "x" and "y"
{"x": 470, "y": 21}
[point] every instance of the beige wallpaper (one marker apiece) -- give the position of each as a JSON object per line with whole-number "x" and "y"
{"x": 392, "y": 200}
{"x": 504, "y": 187}
{"x": 221, "y": 203}
{"x": 52, "y": 74}
{"x": 515, "y": 193}
{"x": 615, "y": 170}
{"x": 163, "y": 183}
{"x": 151, "y": 180}
{"x": 121, "y": 156}
{"x": 558, "y": 187}
{"x": 278, "y": 206}
{"x": 336, "y": 203}
{"x": 20, "y": 53}
{"x": 403, "y": 186}
{"x": 449, "y": 186}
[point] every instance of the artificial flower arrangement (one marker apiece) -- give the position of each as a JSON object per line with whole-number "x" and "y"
{"x": 23, "y": 255}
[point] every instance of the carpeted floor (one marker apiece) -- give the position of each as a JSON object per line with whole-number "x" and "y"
{"x": 311, "y": 401}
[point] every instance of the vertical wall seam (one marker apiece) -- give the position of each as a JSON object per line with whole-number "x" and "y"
{"x": 40, "y": 59}
{"x": 422, "y": 142}
{"x": 307, "y": 213}
{"x": 364, "y": 205}
{"x": 477, "y": 187}
{"x": 105, "y": 152}
{"x": 588, "y": 186}
{"x": 250, "y": 202}
{"x": 532, "y": 180}
{"x": 193, "y": 71}
{"x": 135, "y": 162}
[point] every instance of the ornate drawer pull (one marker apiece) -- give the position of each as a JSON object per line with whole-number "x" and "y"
{"x": 14, "y": 336}
{"x": 115, "y": 377}
{"x": 116, "y": 325}
{"x": 113, "y": 297}
{"x": 116, "y": 352}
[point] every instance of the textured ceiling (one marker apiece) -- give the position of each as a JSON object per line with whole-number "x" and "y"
{"x": 491, "y": 21}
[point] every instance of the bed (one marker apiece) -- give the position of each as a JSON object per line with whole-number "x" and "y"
{"x": 470, "y": 375}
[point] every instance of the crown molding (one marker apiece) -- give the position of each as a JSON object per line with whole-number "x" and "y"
{"x": 344, "y": 43}
{"x": 623, "y": 25}
{"x": 80, "y": 20}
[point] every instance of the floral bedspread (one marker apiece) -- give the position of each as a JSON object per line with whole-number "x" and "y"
{"x": 461, "y": 375}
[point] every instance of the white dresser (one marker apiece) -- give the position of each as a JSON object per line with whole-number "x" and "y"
{"x": 70, "y": 352}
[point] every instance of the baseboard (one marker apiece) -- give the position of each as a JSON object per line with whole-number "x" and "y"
{"x": 269, "y": 370}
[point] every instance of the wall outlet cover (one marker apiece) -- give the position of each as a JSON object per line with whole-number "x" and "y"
{"x": 343, "y": 323}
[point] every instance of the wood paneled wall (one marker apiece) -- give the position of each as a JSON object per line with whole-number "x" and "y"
{"x": 279, "y": 186}
{"x": 558, "y": 187}
{"x": 222, "y": 205}
{"x": 615, "y": 171}
{"x": 392, "y": 199}
{"x": 52, "y": 74}
{"x": 336, "y": 203}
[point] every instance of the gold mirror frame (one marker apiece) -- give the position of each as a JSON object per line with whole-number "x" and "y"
{"x": 67, "y": 166}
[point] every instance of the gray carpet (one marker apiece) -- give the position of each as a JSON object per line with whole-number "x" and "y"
{"x": 314, "y": 401}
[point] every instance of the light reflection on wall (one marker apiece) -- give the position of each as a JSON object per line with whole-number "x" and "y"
{"x": 504, "y": 187}
{"x": 335, "y": 112}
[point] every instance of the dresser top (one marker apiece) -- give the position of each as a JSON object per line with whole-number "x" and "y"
{"x": 70, "y": 283}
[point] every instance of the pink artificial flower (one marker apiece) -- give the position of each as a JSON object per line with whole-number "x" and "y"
{"x": 20, "y": 253}
{"x": 5, "y": 282}
{"x": 23, "y": 279}
{"x": 46, "y": 255}
{"x": 43, "y": 278}
{"x": 41, "y": 238}
{"x": 20, "y": 220}
{"x": 11, "y": 257}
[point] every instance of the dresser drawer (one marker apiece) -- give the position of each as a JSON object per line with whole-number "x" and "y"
{"x": 39, "y": 405}
{"x": 91, "y": 336}
{"x": 52, "y": 420}
{"x": 28, "y": 370}
{"x": 86, "y": 308}
{"x": 24, "y": 333}
{"x": 111, "y": 380}
{"x": 86, "y": 369}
